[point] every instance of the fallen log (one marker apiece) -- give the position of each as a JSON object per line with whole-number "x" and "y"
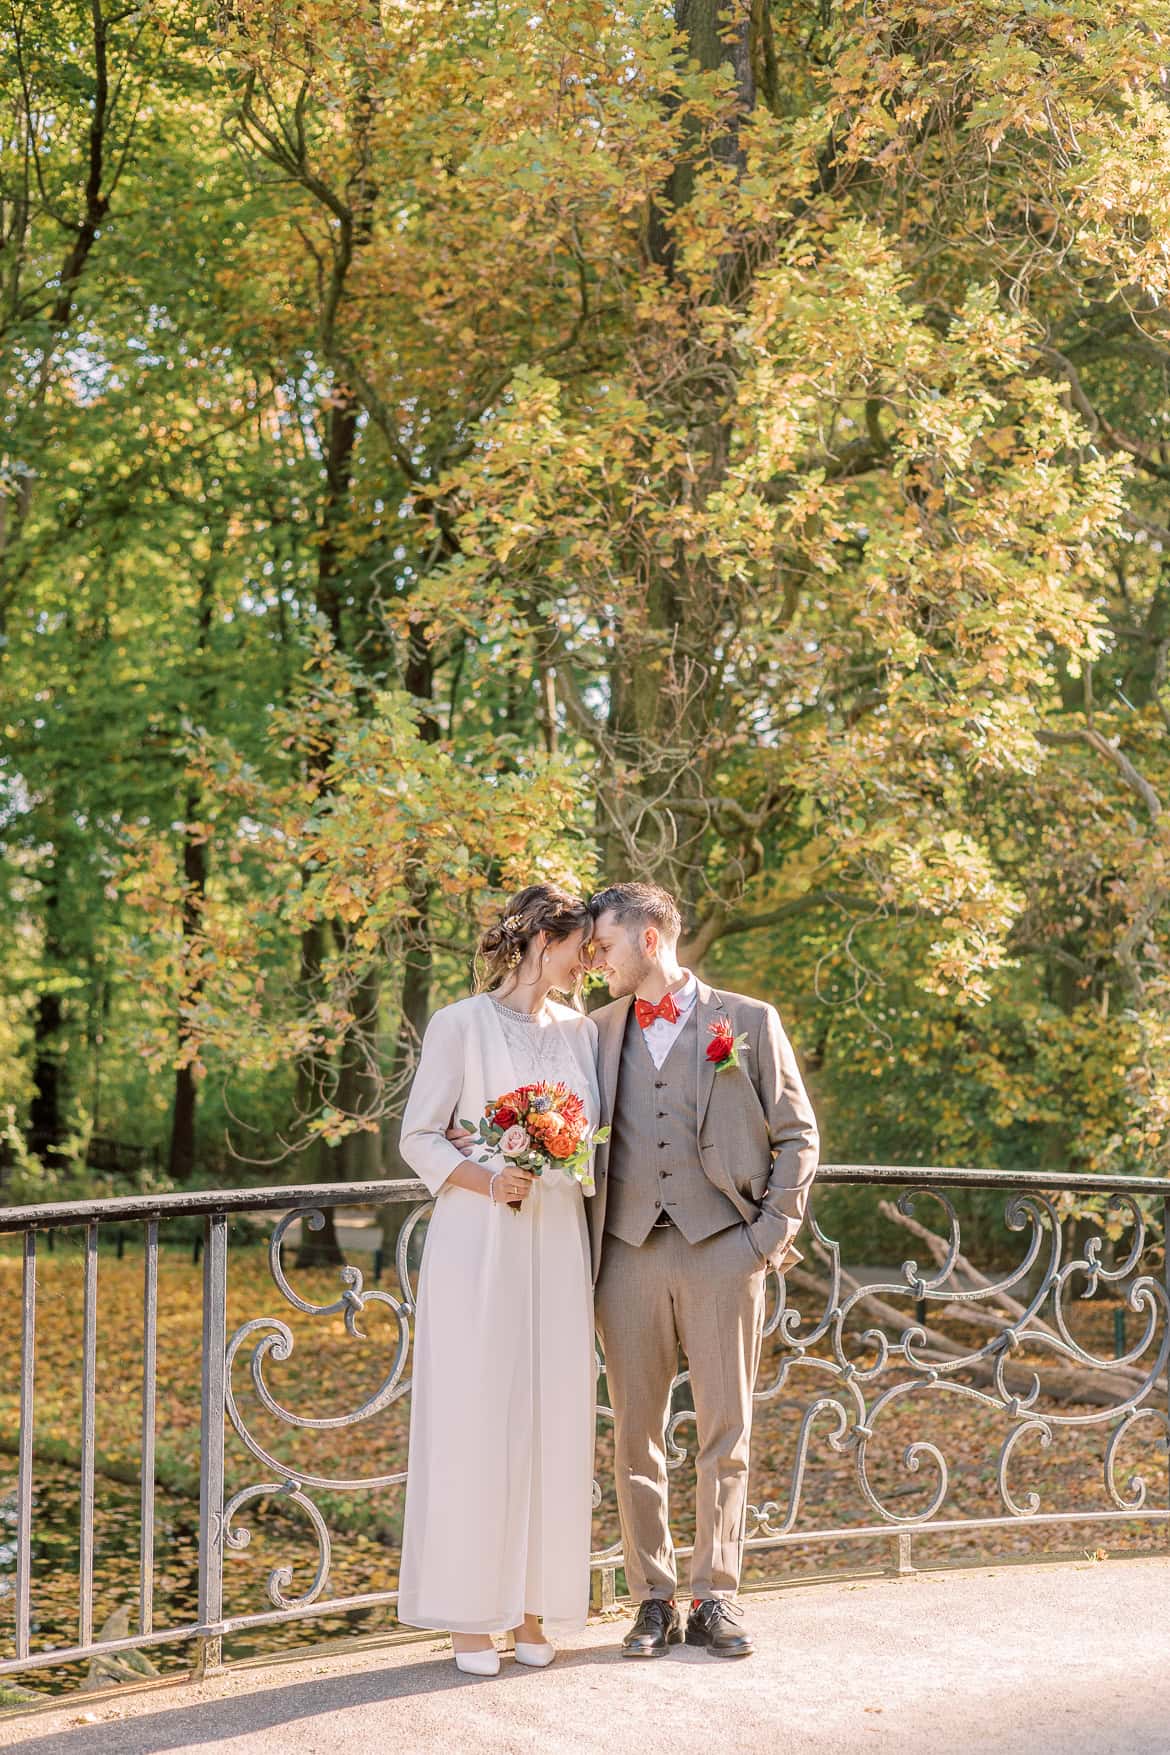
{"x": 1058, "y": 1383}
{"x": 1132, "y": 1375}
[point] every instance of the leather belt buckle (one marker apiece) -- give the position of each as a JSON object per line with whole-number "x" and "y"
{"x": 662, "y": 1222}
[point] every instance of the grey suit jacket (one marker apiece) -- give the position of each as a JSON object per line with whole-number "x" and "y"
{"x": 757, "y": 1135}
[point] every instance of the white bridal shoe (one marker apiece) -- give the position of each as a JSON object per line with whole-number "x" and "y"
{"x": 537, "y": 1656}
{"x": 478, "y": 1663}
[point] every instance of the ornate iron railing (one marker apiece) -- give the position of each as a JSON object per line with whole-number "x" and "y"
{"x": 858, "y": 1375}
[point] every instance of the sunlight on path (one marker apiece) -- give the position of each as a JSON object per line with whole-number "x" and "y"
{"x": 1018, "y": 1659}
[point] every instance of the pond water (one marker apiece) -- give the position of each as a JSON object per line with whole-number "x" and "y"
{"x": 54, "y": 1593}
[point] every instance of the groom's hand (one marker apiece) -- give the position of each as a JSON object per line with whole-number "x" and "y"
{"x": 460, "y": 1138}
{"x": 758, "y": 1264}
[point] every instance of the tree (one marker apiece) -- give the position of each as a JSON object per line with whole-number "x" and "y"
{"x": 722, "y": 447}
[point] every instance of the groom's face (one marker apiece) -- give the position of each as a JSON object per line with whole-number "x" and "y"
{"x": 621, "y": 954}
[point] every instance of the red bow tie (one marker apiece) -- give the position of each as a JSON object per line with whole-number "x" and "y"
{"x": 646, "y": 1013}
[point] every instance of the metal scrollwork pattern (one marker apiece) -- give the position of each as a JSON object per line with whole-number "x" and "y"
{"x": 848, "y": 1374}
{"x": 274, "y": 1341}
{"x": 874, "y": 1371}
{"x": 280, "y": 1576}
{"x": 857, "y": 1376}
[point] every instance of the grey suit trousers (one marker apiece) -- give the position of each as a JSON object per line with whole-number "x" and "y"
{"x": 709, "y": 1297}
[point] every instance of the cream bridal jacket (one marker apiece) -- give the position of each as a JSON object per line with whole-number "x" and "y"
{"x": 500, "y": 1484}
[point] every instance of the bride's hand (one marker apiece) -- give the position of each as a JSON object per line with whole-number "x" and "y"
{"x": 512, "y": 1185}
{"x": 460, "y": 1138}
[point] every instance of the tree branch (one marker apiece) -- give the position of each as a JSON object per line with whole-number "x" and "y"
{"x": 1085, "y": 734}
{"x": 856, "y": 458}
{"x": 1096, "y": 422}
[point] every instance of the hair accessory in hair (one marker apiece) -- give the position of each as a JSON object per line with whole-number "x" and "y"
{"x": 514, "y": 958}
{"x": 513, "y": 922}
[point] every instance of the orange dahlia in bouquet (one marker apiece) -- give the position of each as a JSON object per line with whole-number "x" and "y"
{"x": 538, "y": 1125}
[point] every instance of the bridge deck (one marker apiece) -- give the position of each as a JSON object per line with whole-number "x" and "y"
{"x": 1016, "y": 1660}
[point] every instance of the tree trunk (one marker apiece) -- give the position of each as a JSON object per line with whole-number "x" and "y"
{"x": 417, "y": 959}
{"x": 663, "y": 674}
{"x": 331, "y": 1163}
{"x": 414, "y": 1010}
{"x": 181, "y": 1157}
{"x": 46, "y": 1113}
{"x": 47, "y": 1126}
{"x": 196, "y": 859}
{"x": 46, "y": 1131}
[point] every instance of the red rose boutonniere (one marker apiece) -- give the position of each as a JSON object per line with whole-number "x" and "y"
{"x": 725, "y": 1047}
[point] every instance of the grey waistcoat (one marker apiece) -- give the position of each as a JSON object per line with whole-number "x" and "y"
{"x": 654, "y": 1163}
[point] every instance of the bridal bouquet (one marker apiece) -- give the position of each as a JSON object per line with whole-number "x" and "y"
{"x": 538, "y": 1125}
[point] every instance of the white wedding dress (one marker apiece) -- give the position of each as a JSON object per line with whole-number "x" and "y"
{"x": 500, "y": 1472}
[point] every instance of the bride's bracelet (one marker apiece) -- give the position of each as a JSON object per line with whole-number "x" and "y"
{"x": 491, "y": 1187}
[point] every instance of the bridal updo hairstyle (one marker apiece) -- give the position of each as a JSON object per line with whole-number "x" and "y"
{"x": 539, "y": 908}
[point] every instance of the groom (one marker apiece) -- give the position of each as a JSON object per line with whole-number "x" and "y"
{"x": 701, "y": 1187}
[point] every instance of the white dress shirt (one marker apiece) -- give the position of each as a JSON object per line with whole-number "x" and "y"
{"x": 661, "y": 1036}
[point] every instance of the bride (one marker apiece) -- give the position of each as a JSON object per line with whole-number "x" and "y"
{"x": 496, "y": 1534}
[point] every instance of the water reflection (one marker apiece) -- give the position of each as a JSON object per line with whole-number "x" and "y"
{"x": 54, "y": 1616}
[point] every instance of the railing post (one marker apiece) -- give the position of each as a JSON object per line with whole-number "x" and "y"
{"x": 1166, "y": 1274}
{"x": 603, "y": 1589}
{"x": 211, "y": 1420}
{"x": 24, "y": 1488}
{"x": 149, "y": 1411}
{"x": 88, "y": 1414}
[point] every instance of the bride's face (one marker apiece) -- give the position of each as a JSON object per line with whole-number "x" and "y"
{"x": 564, "y": 960}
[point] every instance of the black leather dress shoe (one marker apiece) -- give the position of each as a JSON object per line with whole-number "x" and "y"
{"x": 713, "y": 1624}
{"x": 656, "y": 1629}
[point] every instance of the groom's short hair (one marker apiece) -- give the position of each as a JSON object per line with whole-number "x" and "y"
{"x": 639, "y": 905}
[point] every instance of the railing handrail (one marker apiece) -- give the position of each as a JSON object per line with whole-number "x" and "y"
{"x": 133, "y": 1207}
{"x": 212, "y": 1200}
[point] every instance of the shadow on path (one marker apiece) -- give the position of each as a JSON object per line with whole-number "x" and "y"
{"x": 268, "y": 1708}
{"x": 1048, "y": 1660}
